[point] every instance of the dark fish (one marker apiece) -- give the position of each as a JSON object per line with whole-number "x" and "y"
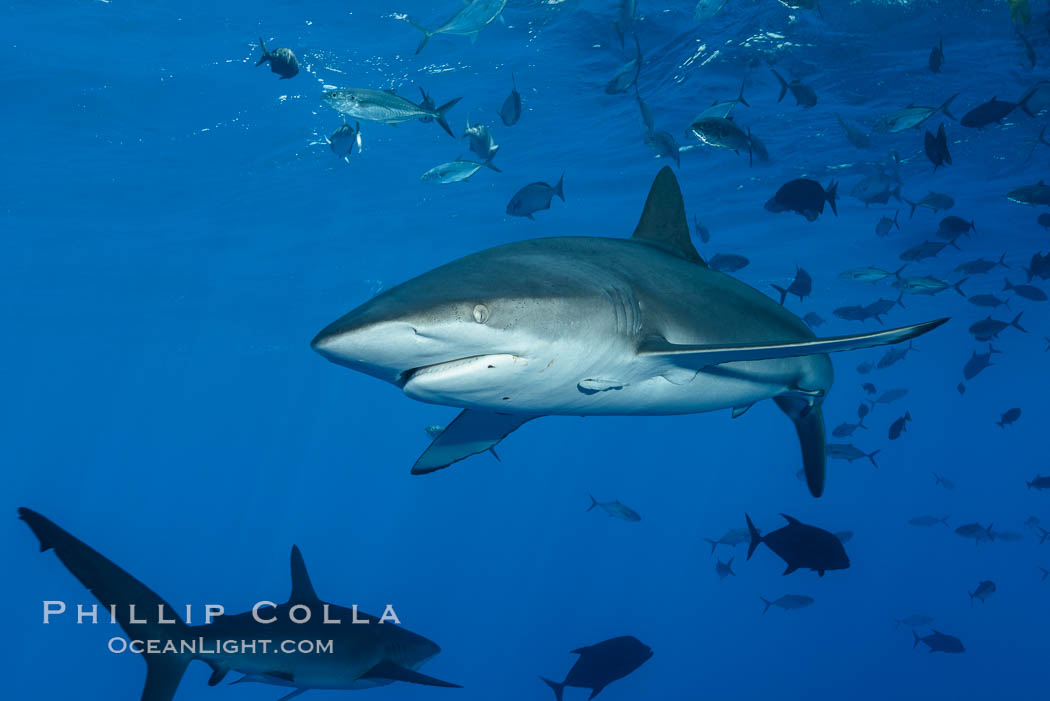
{"x": 868, "y": 389}
{"x": 701, "y": 231}
{"x": 1039, "y": 482}
{"x": 978, "y": 362}
{"x": 926, "y": 249}
{"x": 804, "y": 196}
{"x": 927, "y": 521}
{"x": 616, "y": 509}
{"x": 960, "y": 388}
{"x": 865, "y": 367}
{"x": 788, "y": 602}
{"x": 885, "y": 225}
{"x": 937, "y": 57}
{"x": 882, "y": 306}
{"x": 952, "y": 226}
{"x": 602, "y": 664}
{"x": 976, "y": 531}
{"x": 1039, "y": 267}
{"x": 343, "y": 140}
{"x": 981, "y": 266}
{"x": 940, "y": 642}
{"x": 1044, "y": 220}
{"x": 934, "y": 200}
{"x": 852, "y": 312}
{"x": 535, "y": 197}
{"x": 845, "y": 430}
{"x": 850, "y": 452}
{"x": 727, "y": 262}
{"x": 282, "y": 61}
{"x": 894, "y": 355}
{"x": 803, "y": 94}
{"x": 891, "y": 395}
{"x": 989, "y": 328}
{"x": 510, "y": 112}
{"x": 724, "y": 569}
{"x": 899, "y": 426}
{"x": 801, "y": 286}
{"x": 863, "y": 409}
{"x": 983, "y": 591}
{"x": 1038, "y": 194}
{"x": 733, "y": 537}
{"x": 942, "y": 481}
{"x": 1008, "y": 417}
{"x": 1027, "y": 291}
{"x": 801, "y": 545}
{"x": 990, "y": 112}
{"x": 813, "y": 320}
{"x": 986, "y": 301}
{"x": 937, "y": 148}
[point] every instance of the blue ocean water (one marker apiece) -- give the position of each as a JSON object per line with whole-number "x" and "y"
{"x": 176, "y": 230}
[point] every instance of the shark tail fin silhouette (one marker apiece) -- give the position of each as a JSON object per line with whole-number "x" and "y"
{"x": 558, "y": 689}
{"x": 125, "y": 597}
{"x": 756, "y": 537}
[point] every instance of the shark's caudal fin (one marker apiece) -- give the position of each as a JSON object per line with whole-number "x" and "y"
{"x": 389, "y": 670}
{"x": 706, "y": 355}
{"x": 756, "y": 537}
{"x": 470, "y": 433}
{"x": 118, "y": 591}
{"x": 809, "y": 425}
{"x": 663, "y": 223}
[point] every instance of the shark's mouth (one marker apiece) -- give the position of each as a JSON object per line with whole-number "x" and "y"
{"x": 470, "y": 373}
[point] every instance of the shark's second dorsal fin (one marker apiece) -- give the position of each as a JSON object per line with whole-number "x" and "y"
{"x": 302, "y": 589}
{"x": 663, "y": 222}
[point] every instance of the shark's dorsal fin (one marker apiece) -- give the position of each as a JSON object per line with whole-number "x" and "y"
{"x": 302, "y": 589}
{"x": 791, "y": 520}
{"x": 663, "y": 222}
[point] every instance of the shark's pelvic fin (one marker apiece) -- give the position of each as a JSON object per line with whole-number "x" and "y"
{"x": 302, "y": 589}
{"x": 119, "y": 592}
{"x": 389, "y": 670}
{"x": 663, "y": 222}
{"x": 715, "y": 355}
{"x": 470, "y": 433}
{"x": 809, "y": 425}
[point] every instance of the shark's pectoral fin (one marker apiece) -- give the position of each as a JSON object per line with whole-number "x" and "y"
{"x": 389, "y": 670}
{"x": 470, "y": 433}
{"x": 715, "y": 354}
{"x": 809, "y": 424}
{"x": 739, "y": 411}
{"x": 218, "y": 672}
{"x": 293, "y": 694}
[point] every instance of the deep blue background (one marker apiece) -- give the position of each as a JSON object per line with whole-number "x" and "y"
{"x": 174, "y": 232}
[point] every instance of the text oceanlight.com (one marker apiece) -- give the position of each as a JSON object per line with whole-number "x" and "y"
{"x": 203, "y": 646}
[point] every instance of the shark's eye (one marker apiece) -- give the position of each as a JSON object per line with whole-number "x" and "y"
{"x": 481, "y": 313}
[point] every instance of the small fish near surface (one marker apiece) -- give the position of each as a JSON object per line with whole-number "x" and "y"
{"x": 601, "y": 664}
{"x": 939, "y": 642}
{"x": 989, "y": 328}
{"x": 727, "y": 262}
{"x": 984, "y": 589}
{"x": 804, "y": 95}
{"x": 469, "y": 20}
{"x": 481, "y": 142}
{"x": 457, "y": 171}
{"x": 801, "y": 546}
{"x": 627, "y": 76}
{"x": 1030, "y": 292}
{"x": 535, "y": 197}
{"x": 977, "y": 363}
{"x": 1038, "y": 194}
{"x": 937, "y": 57}
{"x": 510, "y": 112}
{"x": 804, "y": 196}
{"x": 616, "y": 510}
{"x": 850, "y": 452}
{"x": 911, "y": 116}
{"x": 801, "y": 286}
{"x": 934, "y": 201}
{"x": 343, "y": 140}
{"x": 981, "y": 266}
{"x": 899, "y": 426}
{"x": 384, "y": 106}
{"x": 721, "y": 132}
{"x": 1008, "y": 417}
{"x": 936, "y": 148}
{"x": 282, "y": 61}
{"x": 926, "y": 522}
{"x": 789, "y": 602}
{"x": 724, "y": 569}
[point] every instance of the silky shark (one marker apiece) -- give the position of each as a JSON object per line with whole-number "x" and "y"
{"x": 589, "y": 326}
{"x": 362, "y": 655}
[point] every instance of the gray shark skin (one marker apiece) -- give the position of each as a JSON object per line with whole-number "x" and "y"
{"x": 590, "y": 326}
{"x": 362, "y": 656}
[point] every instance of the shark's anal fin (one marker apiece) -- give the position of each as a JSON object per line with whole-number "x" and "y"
{"x": 470, "y": 433}
{"x": 302, "y": 588}
{"x": 663, "y": 222}
{"x": 389, "y": 670}
{"x": 714, "y": 354}
{"x": 809, "y": 425}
